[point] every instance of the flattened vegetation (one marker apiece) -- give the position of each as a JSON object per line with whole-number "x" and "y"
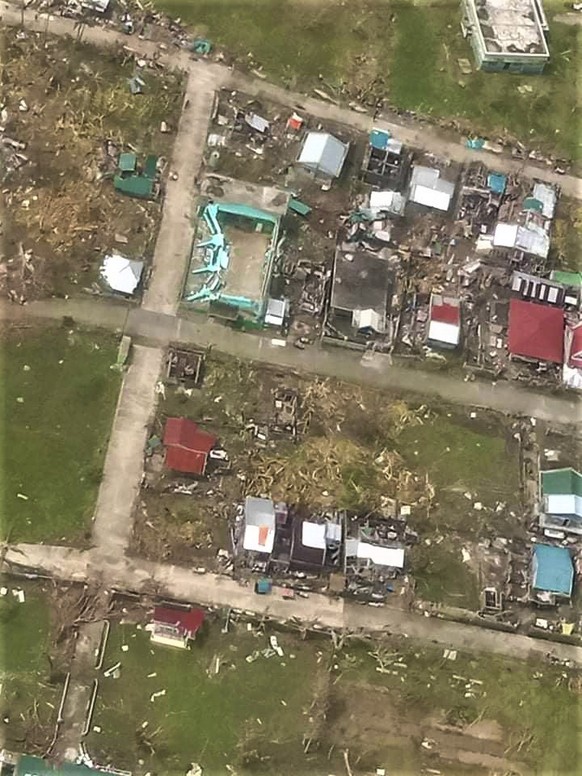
{"x": 63, "y": 102}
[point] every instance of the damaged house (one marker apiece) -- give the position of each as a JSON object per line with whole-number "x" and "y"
{"x": 315, "y": 544}
{"x": 374, "y": 554}
{"x": 362, "y": 289}
{"x": 386, "y": 164}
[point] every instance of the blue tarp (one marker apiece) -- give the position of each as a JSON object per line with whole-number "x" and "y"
{"x": 553, "y": 571}
{"x": 475, "y": 143}
{"x": 496, "y": 182}
{"x": 379, "y": 139}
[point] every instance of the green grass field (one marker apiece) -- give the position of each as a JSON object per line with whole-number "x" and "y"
{"x": 253, "y": 717}
{"x": 530, "y": 703}
{"x": 215, "y": 720}
{"x": 59, "y": 395}
{"x": 28, "y": 698}
{"x": 461, "y": 456}
{"x": 410, "y": 51}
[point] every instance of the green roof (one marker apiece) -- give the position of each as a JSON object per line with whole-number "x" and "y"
{"x": 127, "y": 162}
{"x": 561, "y": 482}
{"x": 150, "y": 168}
{"x": 134, "y": 186}
{"x": 34, "y": 766}
{"x": 567, "y": 278}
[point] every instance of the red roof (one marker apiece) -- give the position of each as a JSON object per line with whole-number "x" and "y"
{"x": 187, "y": 621}
{"x": 536, "y": 331}
{"x": 187, "y": 446}
{"x": 445, "y": 313}
{"x": 574, "y": 339}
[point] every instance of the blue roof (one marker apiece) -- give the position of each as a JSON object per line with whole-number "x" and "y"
{"x": 553, "y": 569}
{"x": 497, "y": 182}
{"x": 379, "y": 139}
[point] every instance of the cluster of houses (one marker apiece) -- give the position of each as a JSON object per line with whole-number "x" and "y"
{"x": 362, "y": 553}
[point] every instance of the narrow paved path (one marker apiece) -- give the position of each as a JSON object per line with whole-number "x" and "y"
{"x": 176, "y": 234}
{"x": 142, "y": 576}
{"x": 119, "y": 489}
{"x": 419, "y": 135}
{"x": 378, "y": 370}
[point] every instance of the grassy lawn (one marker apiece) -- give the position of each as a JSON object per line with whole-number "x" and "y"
{"x": 469, "y": 462}
{"x": 27, "y": 699}
{"x": 527, "y": 712}
{"x": 215, "y": 720}
{"x": 59, "y": 395}
{"x": 463, "y": 456}
{"x": 405, "y": 51}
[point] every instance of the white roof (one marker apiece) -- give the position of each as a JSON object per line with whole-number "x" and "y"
{"x": 423, "y": 195}
{"x": 121, "y": 274}
{"x": 381, "y": 200}
{"x": 533, "y": 239}
{"x": 276, "y": 309}
{"x": 367, "y": 319}
{"x": 381, "y": 556}
{"x": 547, "y": 196}
{"x": 569, "y": 504}
{"x": 505, "y": 235}
{"x": 323, "y": 153}
{"x": 259, "y": 533}
{"x": 313, "y": 535}
{"x": 449, "y": 333}
{"x": 258, "y": 538}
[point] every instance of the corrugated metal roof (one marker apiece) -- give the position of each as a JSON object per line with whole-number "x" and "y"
{"x": 536, "y": 331}
{"x": 323, "y": 153}
{"x": 553, "y": 569}
{"x": 561, "y": 481}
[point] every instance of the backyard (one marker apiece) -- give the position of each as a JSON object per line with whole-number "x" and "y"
{"x": 405, "y": 52}
{"x": 59, "y": 394}
{"x": 227, "y": 706}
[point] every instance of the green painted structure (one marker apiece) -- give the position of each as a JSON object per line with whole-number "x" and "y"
{"x": 33, "y": 766}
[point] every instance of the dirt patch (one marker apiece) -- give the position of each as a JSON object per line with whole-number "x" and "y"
{"x": 354, "y": 715}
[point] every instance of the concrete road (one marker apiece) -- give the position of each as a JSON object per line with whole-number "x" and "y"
{"x": 378, "y": 371}
{"x": 419, "y": 135}
{"x": 176, "y": 235}
{"x": 141, "y": 576}
{"x": 113, "y": 518}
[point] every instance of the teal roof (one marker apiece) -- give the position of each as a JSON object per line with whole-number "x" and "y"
{"x": 150, "y": 168}
{"x": 127, "y": 162}
{"x": 553, "y": 569}
{"x": 561, "y": 482}
{"x": 34, "y": 766}
{"x": 134, "y": 186}
{"x": 567, "y": 278}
